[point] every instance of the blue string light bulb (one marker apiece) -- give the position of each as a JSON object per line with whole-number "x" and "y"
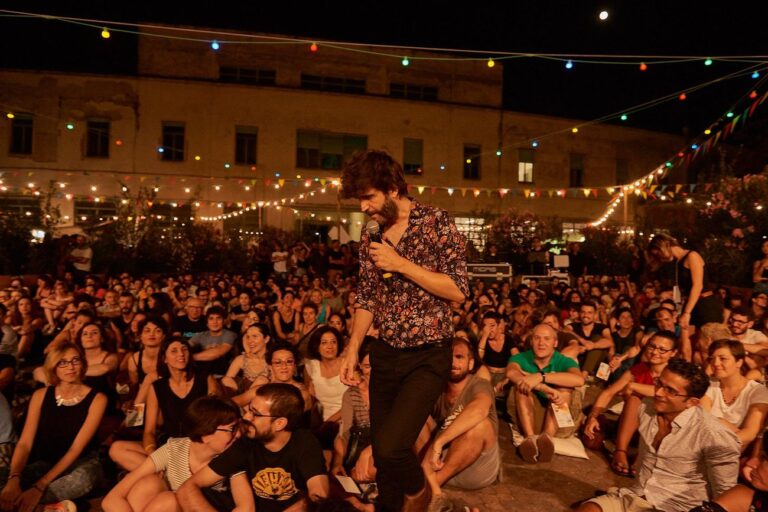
{"x": 569, "y": 64}
{"x": 215, "y": 44}
{"x": 405, "y": 61}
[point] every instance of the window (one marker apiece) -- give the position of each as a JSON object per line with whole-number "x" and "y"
{"x": 246, "y": 138}
{"x": 413, "y": 91}
{"x": 20, "y": 205}
{"x": 525, "y": 165}
{"x": 413, "y": 156}
{"x": 315, "y": 150}
{"x": 97, "y": 139}
{"x": 247, "y": 76}
{"x": 473, "y": 229}
{"x": 332, "y": 84}
{"x": 89, "y": 212}
{"x": 577, "y": 170}
{"x": 173, "y": 142}
{"x": 471, "y": 162}
{"x": 622, "y": 171}
{"x": 21, "y": 134}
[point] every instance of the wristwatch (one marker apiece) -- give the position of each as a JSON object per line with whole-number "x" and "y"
{"x": 543, "y": 377}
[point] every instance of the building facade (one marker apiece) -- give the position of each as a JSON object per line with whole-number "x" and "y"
{"x": 267, "y": 127}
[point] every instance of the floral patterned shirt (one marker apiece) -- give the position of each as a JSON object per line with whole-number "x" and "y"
{"x": 406, "y": 314}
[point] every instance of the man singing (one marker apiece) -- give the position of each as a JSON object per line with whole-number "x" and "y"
{"x": 411, "y": 362}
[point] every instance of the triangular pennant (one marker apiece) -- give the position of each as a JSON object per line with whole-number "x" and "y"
{"x": 433, "y": 189}
{"x": 450, "y": 191}
{"x": 691, "y": 187}
{"x": 707, "y": 186}
{"x": 527, "y": 193}
{"x": 645, "y": 194}
{"x": 323, "y": 181}
{"x": 594, "y": 192}
{"x": 671, "y": 194}
{"x": 586, "y": 192}
{"x": 503, "y": 192}
{"x": 488, "y": 192}
{"x": 421, "y": 189}
{"x": 463, "y": 192}
{"x": 253, "y": 182}
{"x": 652, "y": 188}
{"x": 609, "y": 190}
{"x": 677, "y": 188}
{"x": 550, "y": 193}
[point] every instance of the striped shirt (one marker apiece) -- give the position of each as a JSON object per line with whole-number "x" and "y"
{"x": 173, "y": 459}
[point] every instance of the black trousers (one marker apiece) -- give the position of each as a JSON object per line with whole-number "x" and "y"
{"x": 404, "y": 388}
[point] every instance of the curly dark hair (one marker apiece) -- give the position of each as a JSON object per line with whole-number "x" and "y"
{"x": 698, "y": 381}
{"x": 372, "y": 169}
{"x": 313, "y": 347}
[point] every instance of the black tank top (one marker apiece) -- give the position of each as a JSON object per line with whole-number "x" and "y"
{"x": 172, "y": 407}
{"x": 58, "y": 427}
{"x": 499, "y": 359}
{"x": 287, "y": 327}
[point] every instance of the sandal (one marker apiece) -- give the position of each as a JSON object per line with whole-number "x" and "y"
{"x": 622, "y": 468}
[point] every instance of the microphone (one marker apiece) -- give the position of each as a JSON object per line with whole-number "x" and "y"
{"x": 374, "y": 234}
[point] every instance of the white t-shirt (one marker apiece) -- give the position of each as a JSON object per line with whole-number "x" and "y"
{"x": 85, "y": 252}
{"x": 753, "y": 393}
{"x": 751, "y": 337}
{"x": 280, "y": 266}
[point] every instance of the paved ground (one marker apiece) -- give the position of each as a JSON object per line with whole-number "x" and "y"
{"x": 550, "y": 487}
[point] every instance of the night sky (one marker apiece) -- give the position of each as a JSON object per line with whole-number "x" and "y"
{"x": 585, "y": 92}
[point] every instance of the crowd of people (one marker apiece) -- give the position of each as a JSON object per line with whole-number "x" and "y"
{"x": 220, "y": 391}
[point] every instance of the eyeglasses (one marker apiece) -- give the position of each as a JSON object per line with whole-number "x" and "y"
{"x": 75, "y": 361}
{"x": 230, "y": 430}
{"x": 659, "y": 349}
{"x": 256, "y": 414}
{"x": 732, "y": 320}
{"x": 669, "y": 391}
{"x": 287, "y": 362}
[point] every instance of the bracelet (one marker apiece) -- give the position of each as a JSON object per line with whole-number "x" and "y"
{"x": 14, "y": 475}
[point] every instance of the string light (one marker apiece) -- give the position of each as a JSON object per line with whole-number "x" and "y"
{"x": 405, "y": 61}
{"x": 215, "y": 44}
{"x": 682, "y": 97}
{"x": 707, "y": 131}
{"x": 10, "y": 115}
{"x": 643, "y": 66}
{"x": 569, "y": 64}
{"x": 70, "y": 126}
{"x": 753, "y": 95}
{"x": 535, "y": 144}
{"x": 729, "y": 115}
{"x": 491, "y": 63}
{"x": 105, "y": 33}
{"x": 708, "y": 62}
{"x": 313, "y": 48}
{"x": 624, "y": 117}
{"x": 575, "y": 130}
{"x": 756, "y": 75}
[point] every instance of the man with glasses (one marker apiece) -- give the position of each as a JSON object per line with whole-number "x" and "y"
{"x": 273, "y": 466}
{"x": 193, "y": 322}
{"x": 686, "y": 455}
{"x": 755, "y": 342}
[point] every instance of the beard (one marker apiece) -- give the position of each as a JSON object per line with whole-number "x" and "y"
{"x": 456, "y": 377}
{"x": 389, "y": 212}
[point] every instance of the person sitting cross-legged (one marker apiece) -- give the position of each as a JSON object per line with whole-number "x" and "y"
{"x": 686, "y": 455}
{"x": 541, "y": 376}
{"x": 464, "y": 451}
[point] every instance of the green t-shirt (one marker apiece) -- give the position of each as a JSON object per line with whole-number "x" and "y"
{"x": 558, "y": 363}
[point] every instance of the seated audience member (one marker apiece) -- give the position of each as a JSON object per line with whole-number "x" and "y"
{"x": 273, "y": 466}
{"x": 352, "y": 454}
{"x": 120, "y": 325}
{"x": 193, "y": 322}
{"x": 595, "y": 339}
{"x": 321, "y": 376}
{"x": 238, "y": 312}
{"x": 306, "y": 327}
{"x": 70, "y": 330}
{"x": 111, "y": 307}
{"x": 495, "y": 348}
{"x": 143, "y": 365}
{"x": 27, "y": 322}
{"x": 56, "y": 458}
{"x": 177, "y": 386}
{"x": 625, "y": 335}
{"x": 9, "y": 337}
{"x": 212, "y": 426}
{"x": 284, "y": 318}
{"x": 635, "y": 385}
{"x": 707, "y": 334}
{"x": 53, "y": 305}
{"x": 752, "y": 497}
{"x": 685, "y": 452}
{"x": 211, "y": 348}
{"x": 251, "y": 362}
{"x": 738, "y": 402}
{"x": 567, "y": 342}
{"x": 740, "y": 323}
{"x": 541, "y": 376}
{"x": 464, "y": 451}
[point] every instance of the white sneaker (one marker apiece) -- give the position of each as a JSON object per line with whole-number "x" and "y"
{"x": 62, "y": 506}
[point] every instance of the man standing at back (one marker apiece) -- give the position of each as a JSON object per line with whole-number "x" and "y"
{"x": 411, "y": 362}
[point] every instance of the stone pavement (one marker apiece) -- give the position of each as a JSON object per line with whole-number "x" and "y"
{"x": 550, "y": 487}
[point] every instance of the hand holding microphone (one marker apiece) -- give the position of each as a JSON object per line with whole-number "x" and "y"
{"x": 384, "y": 256}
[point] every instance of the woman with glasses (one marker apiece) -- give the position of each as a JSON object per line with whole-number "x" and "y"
{"x": 212, "y": 426}
{"x": 634, "y": 385}
{"x": 56, "y": 458}
{"x": 740, "y": 403}
{"x": 169, "y": 396}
